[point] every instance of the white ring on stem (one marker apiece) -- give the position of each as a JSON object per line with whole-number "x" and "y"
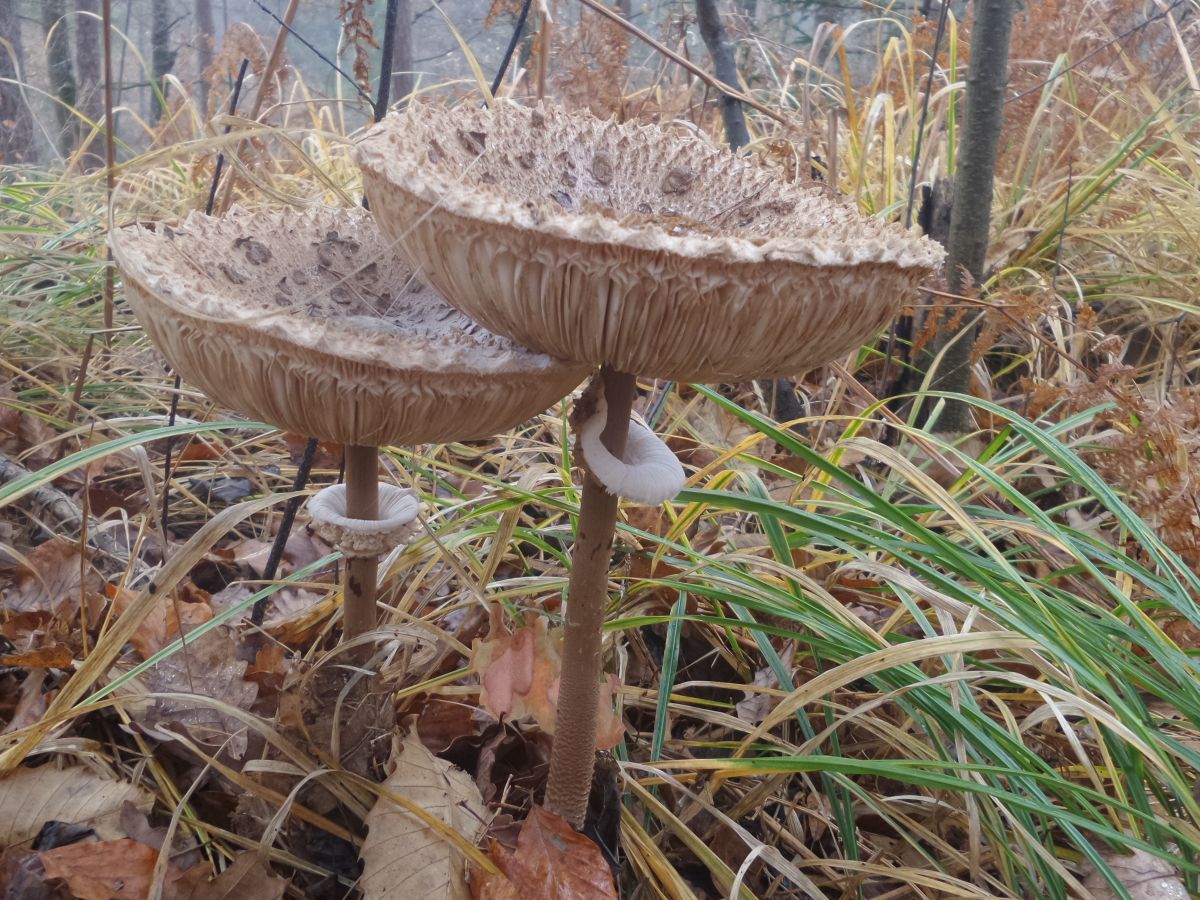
{"x": 649, "y": 474}
{"x": 396, "y": 525}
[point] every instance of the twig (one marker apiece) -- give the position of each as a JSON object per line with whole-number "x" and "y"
{"x": 285, "y": 528}
{"x": 694, "y": 69}
{"x": 512, "y": 46}
{"x": 165, "y": 516}
{"x": 321, "y": 56}
{"x": 110, "y": 157}
{"x": 943, "y": 15}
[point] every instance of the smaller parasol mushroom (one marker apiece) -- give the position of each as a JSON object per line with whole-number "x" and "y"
{"x": 642, "y": 250}
{"x": 311, "y": 322}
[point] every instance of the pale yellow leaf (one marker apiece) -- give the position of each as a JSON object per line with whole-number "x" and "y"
{"x": 32, "y": 797}
{"x": 404, "y": 857}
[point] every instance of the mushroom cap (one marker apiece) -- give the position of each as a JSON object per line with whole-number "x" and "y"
{"x": 312, "y": 322}
{"x": 626, "y": 244}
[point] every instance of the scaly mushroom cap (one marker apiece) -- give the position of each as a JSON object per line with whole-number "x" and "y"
{"x": 311, "y": 322}
{"x": 634, "y": 246}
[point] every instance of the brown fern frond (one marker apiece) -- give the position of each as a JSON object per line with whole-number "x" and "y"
{"x": 360, "y": 37}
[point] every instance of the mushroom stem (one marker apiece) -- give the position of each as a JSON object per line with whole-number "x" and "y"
{"x": 573, "y": 755}
{"x": 362, "y": 572}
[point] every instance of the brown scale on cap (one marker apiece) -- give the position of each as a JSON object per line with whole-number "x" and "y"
{"x": 648, "y": 250}
{"x": 311, "y": 322}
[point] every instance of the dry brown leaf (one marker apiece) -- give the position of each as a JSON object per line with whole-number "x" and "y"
{"x": 32, "y": 797}
{"x": 402, "y": 856}
{"x": 552, "y": 862}
{"x": 55, "y": 577}
{"x": 1144, "y": 876}
{"x": 246, "y": 878}
{"x": 104, "y": 870}
{"x": 51, "y": 656}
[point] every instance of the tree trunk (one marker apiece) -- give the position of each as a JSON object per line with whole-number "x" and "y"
{"x": 403, "y": 78}
{"x": 89, "y": 40}
{"x": 205, "y": 40}
{"x": 16, "y": 124}
{"x": 971, "y": 211}
{"x": 715, "y": 39}
{"x": 60, "y": 71}
{"x": 162, "y": 58}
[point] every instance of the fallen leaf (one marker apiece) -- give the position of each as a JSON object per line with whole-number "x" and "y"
{"x": 22, "y": 431}
{"x": 134, "y": 823}
{"x": 552, "y": 860}
{"x": 162, "y": 624}
{"x": 32, "y": 703}
{"x": 52, "y": 656}
{"x": 1144, "y": 876}
{"x": 200, "y": 450}
{"x": 104, "y": 870}
{"x": 56, "y": 574}
{"x": 404, "y": 857}
{"x": 328, "y": 455}
{"x": 246, "y": 878}
{"x": 32, "y": 797}
{"x": 442, "y": 722}
{"x": 269, "y": 669}
{"x": 519, "y": 674}
{"x": 209, "y": 669}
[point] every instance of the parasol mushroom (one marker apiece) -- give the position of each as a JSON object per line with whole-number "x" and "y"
{"x": 645, "y": 252}
{"x": 311, "y": 322}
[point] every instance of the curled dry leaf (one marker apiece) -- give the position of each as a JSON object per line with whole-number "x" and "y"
{"x": 32, "y": 703}
{"x": 32, "y": 797}
{"x": 1144, "y": 876}
{"x": 403, "y": 857}
{"x": 519, "y": 673}
{"x": 54, "y": 578}
{"x": 552, "y": 860}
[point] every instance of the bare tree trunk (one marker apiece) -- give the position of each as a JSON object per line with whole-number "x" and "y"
{"x": 16, "y": 124}
{"x": 88, "y": 42}
{"x": 162, "y": 58}
{"x": 717, "y": 42}
{"x": 780, "y": 393}
{"x": 205, "y": 38}
{"x": 60, "y": 70}
{"x": 971, "y": 211}
{"x": 403, "y": 78}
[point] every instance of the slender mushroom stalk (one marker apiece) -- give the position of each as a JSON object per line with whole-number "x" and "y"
{"x": 362, "y": 572}
{"x": 643, "y": 250}
{"x": 574, "y": 754}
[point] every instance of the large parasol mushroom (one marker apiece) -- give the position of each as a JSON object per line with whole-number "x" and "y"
{"x": 311, "y": 322}
{"x": 642, "y": 251}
